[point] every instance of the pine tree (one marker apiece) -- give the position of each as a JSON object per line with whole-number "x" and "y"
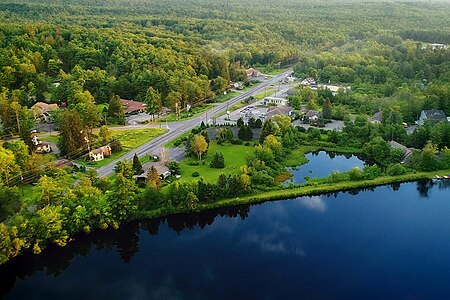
{"x": 153, "y": 179}
{"x": 137, "y": 166}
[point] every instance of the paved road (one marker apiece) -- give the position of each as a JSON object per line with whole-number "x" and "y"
{"x": 178, "y": 128}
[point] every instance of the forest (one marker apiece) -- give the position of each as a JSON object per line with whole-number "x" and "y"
{"x": 83, "y": 54}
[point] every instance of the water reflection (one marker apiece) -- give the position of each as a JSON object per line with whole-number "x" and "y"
{"x": 279, "y": 232}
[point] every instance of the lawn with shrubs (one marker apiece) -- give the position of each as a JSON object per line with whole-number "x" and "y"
{"x": 234, "y": 156}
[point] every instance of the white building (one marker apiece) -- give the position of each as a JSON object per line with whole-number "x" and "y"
{"x": 272, "y": 101}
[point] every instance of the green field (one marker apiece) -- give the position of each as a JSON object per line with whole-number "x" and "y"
{"x": 235, "y": 157}
{"x": 130, "y": 139}
{"x": 195, "y": 111}
{"x": 51, "y": 138}
{"x": 223, "y": 98}
{"x": 265, "y": 94}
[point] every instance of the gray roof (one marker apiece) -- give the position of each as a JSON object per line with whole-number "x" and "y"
{"x": 312, "y": 113}
{"x": 378, "y": 116}
{"x": 435, "y": 114}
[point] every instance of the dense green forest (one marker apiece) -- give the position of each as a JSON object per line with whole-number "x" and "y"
{"x": 173, "y": 53}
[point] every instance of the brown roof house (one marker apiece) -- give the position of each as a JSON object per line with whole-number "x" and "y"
{"x": 42, "y": 111}
{"x": 132, "y": 107}
{"x": 406, "y": 152}
{"x": 252, "y": 73}
{"x": 100, "y": 153}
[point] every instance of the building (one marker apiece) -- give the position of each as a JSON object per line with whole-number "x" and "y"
{"x": 377, "y": 118}
{"x": 132, "y": 107}
{"x": 334, "y": 88}
{"x": 100, "y": 153}
{"x": 163, "y": 171}
{"x": 252, "y": 73}
{"x": 406, "y": 152}
{"x": 272, "y": 101}
{"x": 312, "y": 116}
{"x": 42, "y": 111}
{"x": 309, "y": 82}
{"x": 280, "y": 110}
{"x": 433, "y": 115}
{"x": 43, "y": 147}
{"x": 236, "y": 86}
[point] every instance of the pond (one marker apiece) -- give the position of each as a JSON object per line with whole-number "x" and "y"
{"x": 391, "y": 242}
{"x": 321, "y": 164}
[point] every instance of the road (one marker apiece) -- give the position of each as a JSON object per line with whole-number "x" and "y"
{"x": 178, "y": 128}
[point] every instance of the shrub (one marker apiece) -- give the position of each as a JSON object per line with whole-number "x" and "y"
{"x": 195, "y": 174}
{"x": 218, "y": 161}
{"x": 396, "y": 170}
{"x": 193, "y": 163}
{"x": 356, "y": 174}
{"x": 116, "y": 146}
{"x": 236, "y": 142}
{"x": 247, "y": 144}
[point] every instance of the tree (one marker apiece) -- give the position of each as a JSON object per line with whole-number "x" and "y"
{"x": 153, "y": 179}
{"x": 105, "y": 134}
{"x": 174, "y": 167}
{"x": 21, "y": 152}
{"x": 240, "y": 122}
{"x": 327, "y": 109}
{"x": 8, "y": 168}
{"x": 258, "y": 123}
{"x": 218, "y": 161}
{"x": 252, "y": 122}
{"x": 71, "y": 132}
{"x": 269, "y": 127}
{"x": 245, "y": 133}
{"x": 124, "y": 169}
{"x": 116, "y": 111}
{"x": 137, "y": 166}
{"x": 199, "y": 145}
{"x": 153, "y": 101}
{"x": 283, "y": 122}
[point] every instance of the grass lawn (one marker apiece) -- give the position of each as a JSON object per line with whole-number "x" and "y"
{"x": 171, "y": 144}
{"x": 270, "y": 70}
{"x": 223, "y": 98}
{"x": 235, "y": 157}
{"x": 195, "y": 111}
{"x": 130, "y": 139}
{"x": 238, "y": 105}
{"x": 265, "y": 94}
{"x": 51, "y": 138}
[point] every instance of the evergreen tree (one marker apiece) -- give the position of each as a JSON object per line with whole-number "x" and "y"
{"x": 137, "y": 166}
{"x": 326, "y": 109}
{"x": 258, "y": 123}
{"x": 71, "y": 132}
{"x": 218, "y": 161}
{"x": 245, "y": 133}
{"x": 153, "y": 179}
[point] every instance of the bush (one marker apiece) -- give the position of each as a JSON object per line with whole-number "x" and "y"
{"x": 193, "y": 163}
{"x": 356, "y": 174}
{"x": 247, "y": 144}
{"x": 236, "y": 142}
{"x": 116, "y": 146}
{"x": 396, "y": 170}
{"x": 218, "y": 161}
{"x": 195, "y": 174}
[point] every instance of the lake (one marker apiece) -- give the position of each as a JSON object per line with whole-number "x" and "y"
{"x": 321, "y": 164}
{"x": 390, "y": 242}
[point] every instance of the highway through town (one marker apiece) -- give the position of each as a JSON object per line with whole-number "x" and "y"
{"x": 176, "y": 129}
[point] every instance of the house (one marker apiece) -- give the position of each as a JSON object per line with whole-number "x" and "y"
{"x": 313, "y": 116}
{"x": 272, "y": 101}
{"x": 42, "y": 147}
{"x": 377, "y": 118}
{"x": 280, "y": 110}
{"x": 132, "y": 107}
{"x": 433, "y": 115}
{"x": 308, "y": 82}
{"x": 236, "y": 86}
{"x": 62, "y": 162}
{"x": 163, "y": 171}
{"x": 42, "y": 111}
{"x": 334, "y": 88}
{"x": 406, "y": 152}
{"x": 100, "y": 153}
{"x": 252, "y": 73}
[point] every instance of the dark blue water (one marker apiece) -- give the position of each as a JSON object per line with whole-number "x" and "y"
{"x": 389, "y": 243}
{"x": 322, "y": 163}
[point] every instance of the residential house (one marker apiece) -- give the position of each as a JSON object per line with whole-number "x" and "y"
{"x": 377, "y": 118}
{"x": 311, "y": 82}
{"x": 39, "y": 146}
{"x": 273, "y": 101}
{"x": 406, "y": 152}
{"x": 280, "y": 110}
{"x": 334, "y": 88}
{"x": 42, "y": 111}
{"x": 132, "y": 107}
{"x": 312, "y": 116}
{"x": 100, "y": 153}
{"x": 163, "y": 171}
{"x": 42, "y": 147}
{"x": 433, "y": 115}
{"x": 252, "y": 73}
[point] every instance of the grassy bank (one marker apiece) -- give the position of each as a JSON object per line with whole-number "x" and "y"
{"x": 297, "y": 191}
{"x": 194, "y": 112}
